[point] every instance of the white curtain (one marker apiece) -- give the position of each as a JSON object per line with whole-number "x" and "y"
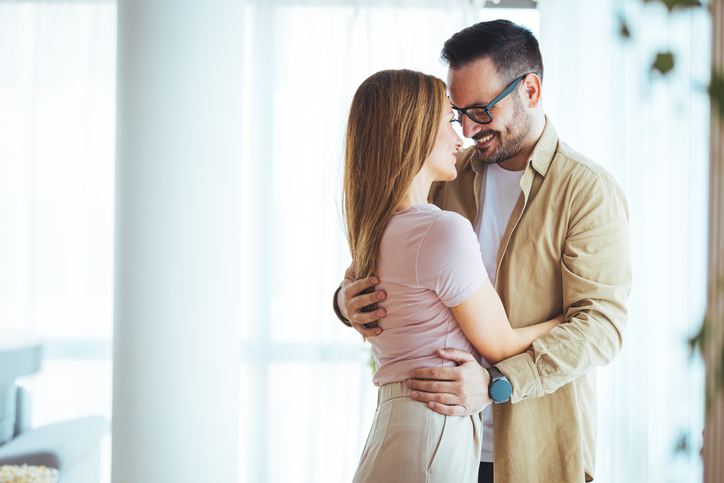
{"x": 57, "y": 134}
{"x": 313, "y": 400}
{"x": 652, "y": 132}
{"x": 307, "y": 400}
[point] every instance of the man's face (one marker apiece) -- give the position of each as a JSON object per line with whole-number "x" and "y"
{"x": 477, "y": 84}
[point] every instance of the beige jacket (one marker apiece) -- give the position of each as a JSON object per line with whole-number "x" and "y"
{"x": 566, "y": 249}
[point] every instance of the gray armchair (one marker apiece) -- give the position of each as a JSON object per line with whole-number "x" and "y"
{"x": 72, "y": 447}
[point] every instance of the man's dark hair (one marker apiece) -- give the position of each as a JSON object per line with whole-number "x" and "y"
{"x": 513, "y": 49}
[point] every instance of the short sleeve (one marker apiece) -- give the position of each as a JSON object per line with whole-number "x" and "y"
{"x": 449, "y": 261}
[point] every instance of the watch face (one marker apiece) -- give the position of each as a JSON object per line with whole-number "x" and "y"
{"x": 501, "y": 390}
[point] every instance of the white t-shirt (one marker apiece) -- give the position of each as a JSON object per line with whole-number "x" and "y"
{"x": 499, "y": 193}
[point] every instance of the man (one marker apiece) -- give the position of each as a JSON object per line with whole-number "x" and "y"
{"x": 554, "y": 237}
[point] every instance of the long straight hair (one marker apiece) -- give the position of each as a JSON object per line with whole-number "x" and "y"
{"x": 393, "y": 125}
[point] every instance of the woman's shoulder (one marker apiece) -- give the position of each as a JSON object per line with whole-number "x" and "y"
{"x": 429, "y": 225}
{"x": 449, "y": 260}
{"x": 433, "y": 214}
{"x": 452, "y": 218}
{"x": 450, "y": 226}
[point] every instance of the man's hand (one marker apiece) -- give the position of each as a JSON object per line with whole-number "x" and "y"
{"x": 455, "y": 391}
{"x": 351, "y": 303}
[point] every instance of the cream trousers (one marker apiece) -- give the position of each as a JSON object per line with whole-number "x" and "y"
{"x": 410, "y": 443}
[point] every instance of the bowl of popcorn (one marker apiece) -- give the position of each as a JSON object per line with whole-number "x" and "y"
{"x": 27, "y": 474}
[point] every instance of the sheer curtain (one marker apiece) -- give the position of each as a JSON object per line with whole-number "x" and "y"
{"x": 310, "y": 400}
{"x": 652, "y": 132}
{"x": 57, "y": 131}
{"x": 307, "y": 400}
{"x": 313, "y": 400}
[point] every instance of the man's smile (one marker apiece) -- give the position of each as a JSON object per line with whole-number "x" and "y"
{"x": 484, "y": 141}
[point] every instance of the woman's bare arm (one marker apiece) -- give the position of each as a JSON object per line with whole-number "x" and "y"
{"x": 485, "y": 324}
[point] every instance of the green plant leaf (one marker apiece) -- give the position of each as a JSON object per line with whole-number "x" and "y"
{"x": 705, "y": 342}
{"x": 716, "y": 92}
{"x": 371, "y": 363}
{"x": 682, "y": 445}
{"x": 715, "y": 380}
{"x": 664, "y": 62}
{"x": 672, "y": 5}
{"x": 698, "y": 342}
{"x": 701, "y": 342}
{"x": 623, "y": 28}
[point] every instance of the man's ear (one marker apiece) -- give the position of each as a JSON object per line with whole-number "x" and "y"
{"x": 531, "y": 91}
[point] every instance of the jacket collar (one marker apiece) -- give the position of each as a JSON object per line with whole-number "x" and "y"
{"x": 545, "y": 149}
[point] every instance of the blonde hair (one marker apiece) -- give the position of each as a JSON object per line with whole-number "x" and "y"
{"x": 393, "y": 125}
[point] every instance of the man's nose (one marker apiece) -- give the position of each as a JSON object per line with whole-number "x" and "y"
{"x": 470, "y": 127}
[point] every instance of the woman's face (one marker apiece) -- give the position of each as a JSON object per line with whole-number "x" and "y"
{"x": 443, "y": 157}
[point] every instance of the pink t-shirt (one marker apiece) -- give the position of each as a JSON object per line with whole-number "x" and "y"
{"x": 429, "y": 261}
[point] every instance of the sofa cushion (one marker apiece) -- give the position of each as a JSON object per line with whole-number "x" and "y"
{"x": 58, "y": 445}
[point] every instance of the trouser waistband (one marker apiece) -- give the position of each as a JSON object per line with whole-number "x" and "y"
{"x": 392, "y": 390}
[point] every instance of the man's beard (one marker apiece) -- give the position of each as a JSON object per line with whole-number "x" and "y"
{"x": 517, "y": 132}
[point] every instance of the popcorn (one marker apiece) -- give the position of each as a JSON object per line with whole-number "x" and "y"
{"x": 27, "y": 474}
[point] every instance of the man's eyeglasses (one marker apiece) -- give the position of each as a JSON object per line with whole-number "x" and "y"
{"x": 481, "y": 114}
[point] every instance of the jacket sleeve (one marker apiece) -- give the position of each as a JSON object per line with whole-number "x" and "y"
{"x": 596, "y": 281}
{"x": 335, "y": 307}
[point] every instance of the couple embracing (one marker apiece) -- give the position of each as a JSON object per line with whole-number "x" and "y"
{"x": 490, "y": 281}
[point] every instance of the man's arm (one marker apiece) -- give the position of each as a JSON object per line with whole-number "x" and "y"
{"x": 349, "y": 302}
{"x": 596, "y": 281}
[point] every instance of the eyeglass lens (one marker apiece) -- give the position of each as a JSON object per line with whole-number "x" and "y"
{"x": 477, "y": 114}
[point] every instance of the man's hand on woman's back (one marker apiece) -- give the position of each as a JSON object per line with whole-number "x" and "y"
{"x": 454, "y": 391}
{"x": 351, "y": 303}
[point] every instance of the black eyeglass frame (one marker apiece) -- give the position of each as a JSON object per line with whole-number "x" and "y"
{"x": 491, "y": 104}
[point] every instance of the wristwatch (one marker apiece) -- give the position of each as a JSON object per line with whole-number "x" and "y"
{"x": 499, "y": 388}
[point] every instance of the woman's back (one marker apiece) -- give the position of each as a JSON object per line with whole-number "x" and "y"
{"x": 429, "y": 260}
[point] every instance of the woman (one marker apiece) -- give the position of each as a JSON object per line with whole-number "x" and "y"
{"x": 399, "y": 141}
